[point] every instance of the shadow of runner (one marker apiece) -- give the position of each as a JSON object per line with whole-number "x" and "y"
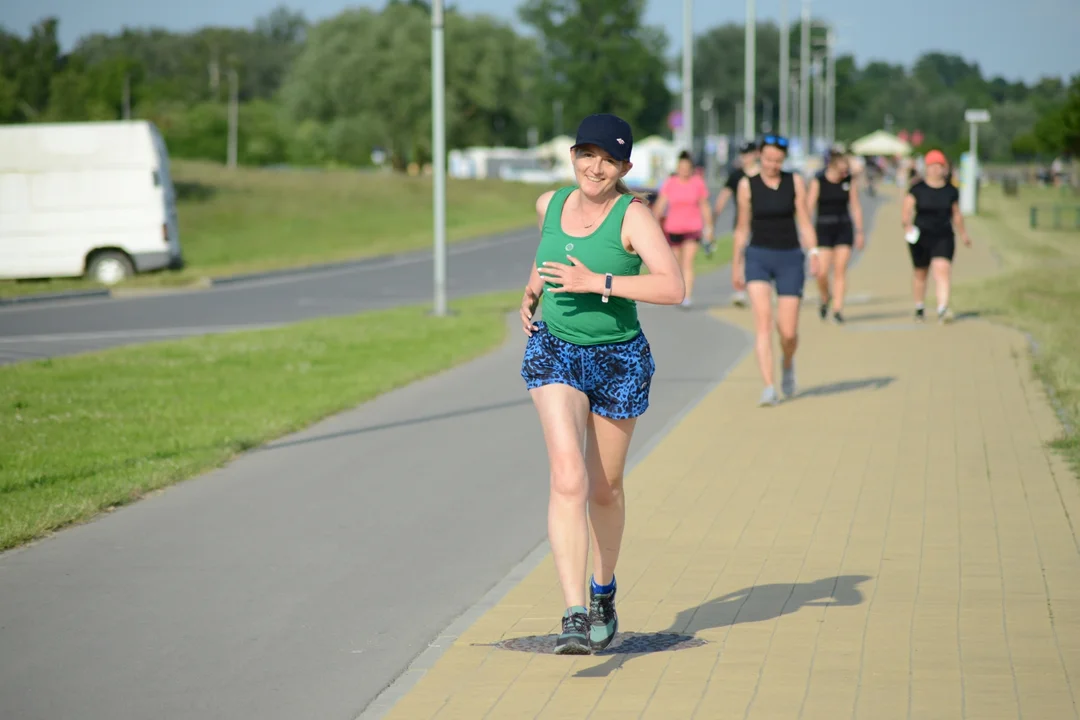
{"x": 753, "y": 604}
{"x": 837, "y": 388}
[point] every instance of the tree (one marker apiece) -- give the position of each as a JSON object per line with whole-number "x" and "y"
{"x": 597, "y": 56}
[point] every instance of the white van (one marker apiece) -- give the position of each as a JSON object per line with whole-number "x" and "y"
{"x": 90, "y": 199}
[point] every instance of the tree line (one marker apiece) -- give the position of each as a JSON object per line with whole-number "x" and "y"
{"x": 333, "y": 92}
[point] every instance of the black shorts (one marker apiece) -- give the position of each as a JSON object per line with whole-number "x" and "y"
{"x": 831, "y": 234}
{"x": 931, "y": 246}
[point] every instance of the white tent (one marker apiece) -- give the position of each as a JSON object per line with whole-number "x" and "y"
{"x": 881, "y": 143}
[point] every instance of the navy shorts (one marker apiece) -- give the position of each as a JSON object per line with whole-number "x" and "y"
{"x": 785, "y": 268}
{"x": 616, "y": 377}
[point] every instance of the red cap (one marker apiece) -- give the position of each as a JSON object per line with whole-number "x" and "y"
{"x": 936, "y": 157}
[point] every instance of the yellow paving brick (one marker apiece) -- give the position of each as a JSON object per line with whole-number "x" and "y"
{"x": 899, "y": 536}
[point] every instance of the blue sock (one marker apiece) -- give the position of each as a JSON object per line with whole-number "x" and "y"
{"x": 603, "y": 589}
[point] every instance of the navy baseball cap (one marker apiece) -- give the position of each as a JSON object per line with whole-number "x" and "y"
{"x": 748, "y": 147}
{"x": 608, "y": 132}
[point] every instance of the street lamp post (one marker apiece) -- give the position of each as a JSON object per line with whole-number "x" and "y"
{"x": 830, "y": 87}
{"x": 804, "y": 79}
{"x": 688, "y": 75}
{"x": 785, "y": 66}
{"x": 749, "y": 75}
{"x": 438, "y": 153}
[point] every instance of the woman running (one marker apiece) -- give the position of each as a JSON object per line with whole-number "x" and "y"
{"x": 834, "y": 194}
{"x": 683, "y": 203}
{"x": 748, "y": 167}
{"x": 931, "y": 212}
{"x": 771, "y": 205}
{"x": 588, "y": 366}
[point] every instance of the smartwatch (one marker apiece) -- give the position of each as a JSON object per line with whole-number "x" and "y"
{"x": 607, "y": 288}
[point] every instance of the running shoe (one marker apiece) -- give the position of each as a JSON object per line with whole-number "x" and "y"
{"x": 710, "y": 247}
{"x": 603, "y": 620}
{"x": 768, "y": 397}
{"x": 824, "y": 309}
{"x": 574, "y": 639}
{"x": 920, "y": 315}
{"x": 838, "y": 318}
{"x": 787, "y": 383}
{"x": 686, "y": 304}
{"x": 945, "y": 316}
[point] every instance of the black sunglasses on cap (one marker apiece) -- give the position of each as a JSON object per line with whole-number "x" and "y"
{"x": 776, "y": 141}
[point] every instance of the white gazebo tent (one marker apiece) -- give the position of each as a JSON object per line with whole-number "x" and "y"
{"x": 881, "y": 143}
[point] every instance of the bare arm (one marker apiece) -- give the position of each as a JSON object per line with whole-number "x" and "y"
{"x": 535, "y": 284}
{"x": 664, "y": 283}
{"x": 856, "y": 209}
{"x": 722, "y": 199}
{"x": 907, "y": 212}
{"x": 807, "y": 234}
{"x": 706, "y": 216}
{"x": 742, "y": 226}
{"x": 958, "y": 223}
{"x": 812, "y": 195}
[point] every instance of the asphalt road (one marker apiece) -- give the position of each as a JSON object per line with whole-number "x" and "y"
{"x": 302, "y": 579}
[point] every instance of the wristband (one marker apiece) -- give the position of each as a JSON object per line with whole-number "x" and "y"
{"x": 607, "y": 288}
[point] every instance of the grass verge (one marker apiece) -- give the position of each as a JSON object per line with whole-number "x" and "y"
{"x": 85, "y": 433}
{"x": 1039, "y": 293}
{"x": 247, "y": 220}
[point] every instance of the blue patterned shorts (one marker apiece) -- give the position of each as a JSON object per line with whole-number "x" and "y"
{"x": 616, "y": 377}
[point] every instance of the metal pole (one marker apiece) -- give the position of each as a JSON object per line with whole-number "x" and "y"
{"x": 973, "y": 177}
{"x": 234, "y": 114}
{"x": 739, "y": 117}
{"x": 688, "y": 75}
{"x": 817, "y": 131}
{"x": 804, "y": 79}
{"x": 796, "y": 105}
{"x": 749, "y": 59}
{"x": 830, "y": 89}
{"x": 438, "y": 152}
{"x": 785, "y": 66}
{"x": 127, "y": 96}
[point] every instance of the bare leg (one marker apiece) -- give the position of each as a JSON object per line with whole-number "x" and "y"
{"x": 564, "y": 415}
{"x": 841, "y": 257}
{"x": 606, "y": 447}
{"x": 761, "y": 305}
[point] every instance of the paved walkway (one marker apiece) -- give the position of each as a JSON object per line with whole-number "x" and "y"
{"x": 895, "y": 543}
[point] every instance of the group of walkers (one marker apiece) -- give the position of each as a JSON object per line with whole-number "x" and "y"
{"x": 588, "y": 365}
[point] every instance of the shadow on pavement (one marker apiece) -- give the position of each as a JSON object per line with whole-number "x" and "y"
{"x": 837, "y": 388}
{"x": 759, "y": 603}
{"x": 398, "y": 423}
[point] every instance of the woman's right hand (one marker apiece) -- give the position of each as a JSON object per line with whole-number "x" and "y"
{"x": 738, "y": 276}
{"x": 528, "y": 308}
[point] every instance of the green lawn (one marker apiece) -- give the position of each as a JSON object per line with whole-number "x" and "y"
{"x": 83, "y": 433}
{"x": 1039, "y": 292}
{"x": 250, "y": 219}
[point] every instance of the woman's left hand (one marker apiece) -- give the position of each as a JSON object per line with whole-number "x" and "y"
{"x": 573, "y": 278}
{"x": 860, "y": 240}
{"x": 967, "y": 240}
{"x": 815, "y": 265}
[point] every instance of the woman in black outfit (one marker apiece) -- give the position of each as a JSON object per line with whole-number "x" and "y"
{"x": 834, "y": 195}
{"x": 768, "y": 250}
{"x": 930, "y": 214}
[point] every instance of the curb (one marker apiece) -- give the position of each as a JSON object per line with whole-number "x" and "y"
{"x": 42, "y": 297}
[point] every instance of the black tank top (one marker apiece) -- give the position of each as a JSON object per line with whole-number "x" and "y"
{"x": 772, "y": 221}
{"x": 833, "y": 198}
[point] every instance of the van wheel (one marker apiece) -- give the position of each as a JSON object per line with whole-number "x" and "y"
{"x": 110, "y": 267}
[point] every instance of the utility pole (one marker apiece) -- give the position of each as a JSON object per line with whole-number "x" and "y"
{"x": 438, "y": 152}
{"x": 804, "y": 79}
{"x": 688, "y": 75}
{"x": 785, "y": 66}
{"x": 818, "y": 131}
{"x": 234, "y": 115}
{"x": 127, "y": 96}
{"x": 749, "y": 62}
{"x": 830, "y": 88}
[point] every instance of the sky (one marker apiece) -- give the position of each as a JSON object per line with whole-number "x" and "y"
{"x": 1017, "y": 40}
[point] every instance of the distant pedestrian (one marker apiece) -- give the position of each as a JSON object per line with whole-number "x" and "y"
{"x": 834, "y": 197}
{"x": 932, "y": 217}
{"x": 588, "y": 365}
{"x": 769, "y": 251}
{"x": 748, "y": 167}
{"x": 682, "y": 206}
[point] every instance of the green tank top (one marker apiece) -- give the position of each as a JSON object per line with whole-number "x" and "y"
{"x": 583, "y": 318}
